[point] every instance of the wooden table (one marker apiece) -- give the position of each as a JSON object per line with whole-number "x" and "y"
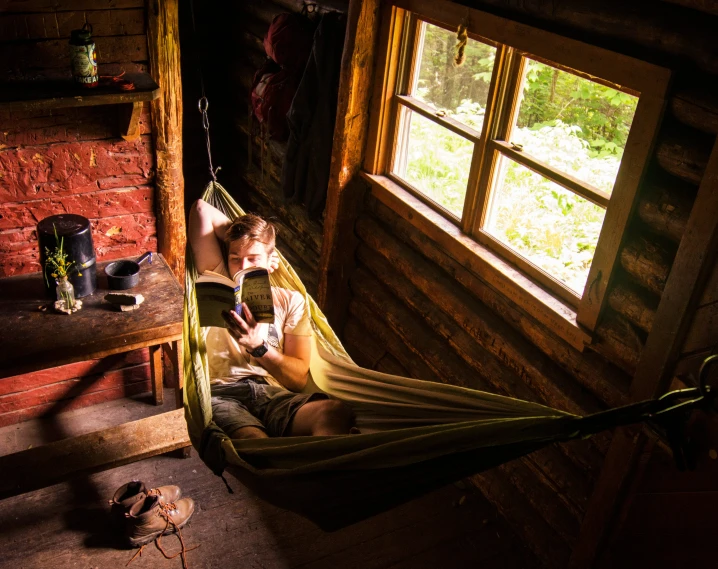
{"x": 35, "y": 337}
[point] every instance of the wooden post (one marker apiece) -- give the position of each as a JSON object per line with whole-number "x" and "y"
{"x": 691, "y": 267}
{"x": 163, "y": 43}
{"x": 345, "y": 191}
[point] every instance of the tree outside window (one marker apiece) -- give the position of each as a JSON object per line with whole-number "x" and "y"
{"x": 533, "y": 179}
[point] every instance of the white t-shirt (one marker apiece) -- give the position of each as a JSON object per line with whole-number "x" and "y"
{"x": 229, "y": 362}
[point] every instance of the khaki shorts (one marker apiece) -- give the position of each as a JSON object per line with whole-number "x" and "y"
{"x": 251, "y": 402}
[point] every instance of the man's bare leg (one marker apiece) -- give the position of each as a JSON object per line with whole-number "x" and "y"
{"x": 324, "y": 417}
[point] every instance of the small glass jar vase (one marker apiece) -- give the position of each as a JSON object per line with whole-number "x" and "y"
{"x": 66, "y": 292}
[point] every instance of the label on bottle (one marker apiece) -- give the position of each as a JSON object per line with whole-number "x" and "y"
{"x": 84, "y": 64}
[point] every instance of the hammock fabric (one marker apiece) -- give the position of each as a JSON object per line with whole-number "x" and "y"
{"x": 416, "y": 435}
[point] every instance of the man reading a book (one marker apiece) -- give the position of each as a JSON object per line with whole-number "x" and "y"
{"x": 258, "y": 370}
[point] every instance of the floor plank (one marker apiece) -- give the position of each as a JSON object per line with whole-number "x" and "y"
{"x": 68, "y": 525}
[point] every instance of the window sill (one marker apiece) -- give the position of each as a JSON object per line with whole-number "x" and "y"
{"x": 548, "y": 310}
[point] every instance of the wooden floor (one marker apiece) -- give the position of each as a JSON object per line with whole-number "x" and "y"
{"x": 68, "y": 525}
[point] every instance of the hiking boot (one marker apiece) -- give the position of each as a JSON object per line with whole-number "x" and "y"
{"x": 149, "y": 518}
{"x": 133, "y": 491}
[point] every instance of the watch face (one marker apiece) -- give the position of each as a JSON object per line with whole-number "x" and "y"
{"x": 259, "y": 351}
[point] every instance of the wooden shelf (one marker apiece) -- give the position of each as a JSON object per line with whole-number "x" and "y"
{"x": 41, "y": 95}
{"x": 57, "y": 94}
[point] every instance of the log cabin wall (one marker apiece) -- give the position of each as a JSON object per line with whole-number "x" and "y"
{"x": 73, "y": 161}
{"x": 236, "y": 32}
{"x": 417, "y": 311}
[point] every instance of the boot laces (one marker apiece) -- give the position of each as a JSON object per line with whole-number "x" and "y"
{"x": 166, "y": 511}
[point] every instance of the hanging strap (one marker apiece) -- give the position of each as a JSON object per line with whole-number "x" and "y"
{"x": 203, "y": 103}
{"x": 670, "y": 412}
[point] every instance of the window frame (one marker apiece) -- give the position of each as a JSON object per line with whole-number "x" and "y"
{"x": 514, "y": 42}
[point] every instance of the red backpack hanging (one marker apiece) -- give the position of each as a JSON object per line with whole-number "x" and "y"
{"x": 288, "y": 43}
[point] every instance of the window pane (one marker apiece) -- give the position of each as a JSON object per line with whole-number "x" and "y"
{"x": 460, "y": 91}
{"x": 576, "y": 125}
{"x": 553, "y": 228}
{"x": 434, "y": 160}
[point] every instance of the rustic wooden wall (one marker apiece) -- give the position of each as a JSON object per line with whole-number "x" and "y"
{"x": 73, "y": 161}
{"x": 417, "y": 311}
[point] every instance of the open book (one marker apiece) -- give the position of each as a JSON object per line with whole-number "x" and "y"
{"x": 216, "y": 293}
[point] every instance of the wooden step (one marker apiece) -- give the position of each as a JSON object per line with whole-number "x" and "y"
{"x": 92, "y": 452}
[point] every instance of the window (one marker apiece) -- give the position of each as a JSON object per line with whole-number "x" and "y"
{"x": 534, "y": 146}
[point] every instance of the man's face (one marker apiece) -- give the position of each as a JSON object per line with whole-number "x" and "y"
{"x": 255, "y": 254}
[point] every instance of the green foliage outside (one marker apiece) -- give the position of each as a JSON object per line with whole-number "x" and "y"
{"x": 577, "y": 126}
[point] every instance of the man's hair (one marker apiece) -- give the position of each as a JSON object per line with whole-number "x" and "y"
{"x": 249, "y": 228}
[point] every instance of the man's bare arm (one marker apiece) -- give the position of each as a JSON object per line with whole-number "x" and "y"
{"x": 207, "y": 226}
{"x": 289, "y": 368}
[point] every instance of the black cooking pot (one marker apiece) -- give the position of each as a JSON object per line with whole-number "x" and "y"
{"x": 122, "y": 275}
{"x": 75, "y": 232}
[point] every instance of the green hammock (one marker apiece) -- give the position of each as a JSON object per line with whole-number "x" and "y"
{"x": 416, "y": 435}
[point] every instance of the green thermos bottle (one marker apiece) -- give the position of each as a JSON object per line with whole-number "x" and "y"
{"x": 83, "y": 57}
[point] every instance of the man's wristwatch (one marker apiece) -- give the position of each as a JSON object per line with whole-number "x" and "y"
{"x": 260, "y": 350}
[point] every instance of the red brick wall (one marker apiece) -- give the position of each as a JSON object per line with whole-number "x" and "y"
{"x": 72, "y": 161}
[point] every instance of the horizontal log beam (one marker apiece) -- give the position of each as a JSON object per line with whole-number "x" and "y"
{"x": 603, "y": 379}
{"x": 486, "y": 373}
{"x": 367, "y": 316}
{"x": 618, "y": 341}
{"x": 668, "y": 32}
{"x": 647, "y": 262}
{"x": 665, "y": 206}
{"x": 683, "y": 152}
{"x": 633, "y": 304}
{"x": 372, "y": 350}
{"x": 389, "y": 364}
{"x": 696, "y": 107}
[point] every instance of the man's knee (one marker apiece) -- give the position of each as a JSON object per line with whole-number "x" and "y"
{"x": 335, "y": 414}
